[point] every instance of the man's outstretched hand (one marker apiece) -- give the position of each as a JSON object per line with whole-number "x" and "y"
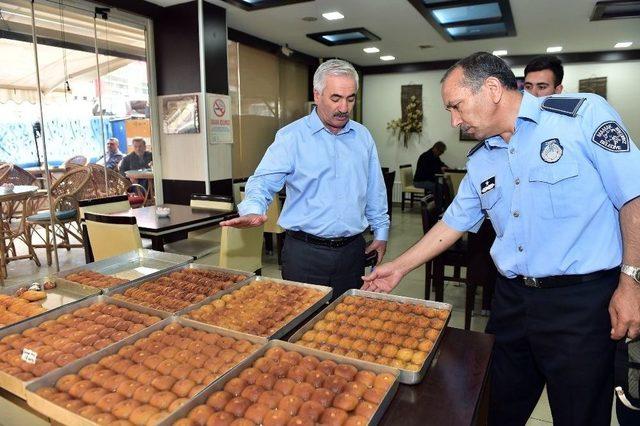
{"x": 246, "y": 221}
{"x": 383, "y": 279}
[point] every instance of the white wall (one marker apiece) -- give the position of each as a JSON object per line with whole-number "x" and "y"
{"x": 381, "y": 104}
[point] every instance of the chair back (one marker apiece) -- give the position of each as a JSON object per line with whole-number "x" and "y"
{"x": 212, "y": 202}
{"x": 112, "y": 235}
{"x": 74, "y": 185}
{"x": 115, "y": 203}
{"x": 241, "y": 248}
{"x": 455, "y": 178}
{"x": 406, "y": 175}
{"x": 77, "y": 161}
{"x": 429, "y": 211}
{"x": 389, "y": 179}
{"x": 10, "y": 173}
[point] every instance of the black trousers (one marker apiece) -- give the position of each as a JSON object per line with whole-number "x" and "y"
{"x": 340, "y": 268}
{"x": 559, "y": 337}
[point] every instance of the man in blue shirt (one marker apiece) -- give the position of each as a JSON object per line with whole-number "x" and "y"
{"x": 334, "y": 184}
{"x": 114, "y": 156}
{"x": 558, "y": 178}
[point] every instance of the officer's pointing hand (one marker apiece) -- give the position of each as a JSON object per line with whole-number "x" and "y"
{"x": 624, "y": 310}
{"x": 383, "y": 279}
{"x": 246, "y": 221}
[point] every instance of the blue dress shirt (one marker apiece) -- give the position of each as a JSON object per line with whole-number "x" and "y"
{"x": 334, "y": 182}
{"x": 552, "y": 216}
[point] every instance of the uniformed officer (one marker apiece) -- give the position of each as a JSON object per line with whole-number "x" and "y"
{"x": 558, "y": 178}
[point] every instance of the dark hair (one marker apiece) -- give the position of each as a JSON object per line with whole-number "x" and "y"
{"x": 440, "y": 146}
{"x": 480, "y": 66}
{"x": 547, "y": 62}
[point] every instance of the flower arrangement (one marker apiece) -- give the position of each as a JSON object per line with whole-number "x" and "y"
{"x": 409, "y": 123}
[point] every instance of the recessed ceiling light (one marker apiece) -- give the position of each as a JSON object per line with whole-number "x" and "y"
{"x": 371, "y": 50}
{"x": 623, "y": 44}
{"x": 387, "y": 58}
{"x": 332, "y": 16}
{"x": 500, "y": 52}
{"x": 554, "y": 49}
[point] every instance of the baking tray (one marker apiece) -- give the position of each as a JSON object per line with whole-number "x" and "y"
{"x": 17, "y": 386}
{"x": 201, "y": 398}
{"x": 406, "y": 376}
{"x": 64, "y": 293}
{"x": 123, "y": 288}
{"x": 70, "y": 418}
{"x": 288, "y": 326}
{"x": 132, "y": 266}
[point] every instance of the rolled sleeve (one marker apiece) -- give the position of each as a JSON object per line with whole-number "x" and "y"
{"x": 376, "y": 208}
{"x": 465, "y": 212}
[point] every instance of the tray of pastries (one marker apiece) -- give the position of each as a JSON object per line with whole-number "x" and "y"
{"x": 23, "y": 301}
{"x": 397, "y": 331}
{"x": 124, "y": 268}
{"x": 264, "y": 307}
{"x": 38, "y": 346}
{"x": 178, "y": 289}
{"x": 286, "y": 384}
{"x": 144, "y": 378}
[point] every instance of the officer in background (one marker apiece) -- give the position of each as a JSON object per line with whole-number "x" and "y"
{"x": 558, "y": 177}
{"x": 543, "y": 76}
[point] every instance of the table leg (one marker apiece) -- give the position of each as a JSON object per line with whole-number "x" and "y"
{"x": 157, "y": 243}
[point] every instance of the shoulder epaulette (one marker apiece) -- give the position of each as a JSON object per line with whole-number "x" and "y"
{"x": 475, "y": 148}
{"x": 562, "y": 105}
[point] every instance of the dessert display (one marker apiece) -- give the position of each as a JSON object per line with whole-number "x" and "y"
{"x": 399, "y": 335}
{"x": 94, "y": 279}
{"x": 287, "y": 388}
{"x": 179, "y": 289}
{"x": 144, "y": 382}
{"x": 24, "y": 303}
{"x": 261, "y": 307}
{"x": 69, "y": 337}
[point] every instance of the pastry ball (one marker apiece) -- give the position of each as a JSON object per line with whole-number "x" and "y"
{"x": 235, "y": 386}
{"x": 64, "y": 383}
{"x": 284, "y": 386}
{"x": 384, "y": 381}
{"x": 182, "y": 387}
{"x": 432, "y": 334}
{"x": 276, "y": 418}
{"x": 266, "y": 380}
{"x": 162, "y": 400}
{"x": 373, "y": 395}
{"x": 290, "y": 404}
{"x": 221, "y": 419}
{"x": 108, "y": 401}
{"x": 256, "y": 412}
{"x": 270, "y": 398}
{"x": 333, "y": 417}
{"x": 218, "y": 400}
{"x": 237, "y": 406}
{"x": 141, "y": 415}
{"x": 93, "y": 395}
{"x": 103, "y": 418}
{"x": 323, "y": 396}
{"x": 79, "y": 388}
{"x": 123, "y": 409}
{"x": 303, "y": 391}
{"x": 252, "y": 392}
{"x": 335, "y": 383}
{"x": 144, "y": 393}
{"x": 355, "y": 388}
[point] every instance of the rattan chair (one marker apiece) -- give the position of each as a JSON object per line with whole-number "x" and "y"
{"x": 76, "y": 161}
{"x": 66, "y": 192}
{"x": 10, "y": 173}
{"x": 117, "y": 185}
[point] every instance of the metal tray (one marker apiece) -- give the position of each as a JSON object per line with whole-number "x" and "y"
{"x": 70, "y": 418}
{"x": 64, "y": 293}
{"x": 406, "y": 376}
{"x": 17, "y": 386}
{"x": 132, "y": 266}
{"x": 123, "y": 288}
{"x": 201, "y": 398}
{"x": 287, "y": 327}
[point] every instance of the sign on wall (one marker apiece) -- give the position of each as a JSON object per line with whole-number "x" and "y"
{"x": 219, "y": 119}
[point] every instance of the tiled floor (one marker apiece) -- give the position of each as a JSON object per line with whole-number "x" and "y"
{"x": 406, "y": 230}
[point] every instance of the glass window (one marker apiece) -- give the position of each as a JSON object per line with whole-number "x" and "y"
{"x": 467, "y": 13}
{"x": 337, "y": 38}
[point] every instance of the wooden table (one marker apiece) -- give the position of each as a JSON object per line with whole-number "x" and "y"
{"x": 8, "y": 201}
{"x": 181, "y": 220}
{"x": 145, "y": 174}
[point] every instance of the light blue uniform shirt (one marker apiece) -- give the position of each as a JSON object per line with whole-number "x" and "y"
{"x": 554, "y": 217}
{"x": 334, "y": 183}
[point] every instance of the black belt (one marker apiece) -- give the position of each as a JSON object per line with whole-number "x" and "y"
{"x": 319, "y": 241}
{"x": 562, "y": 280}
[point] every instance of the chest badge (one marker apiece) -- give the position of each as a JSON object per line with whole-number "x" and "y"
{"x": 488, "y": 185}
{"x": 551, "y": 150}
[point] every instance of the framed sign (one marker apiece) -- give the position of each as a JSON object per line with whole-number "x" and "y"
{"x": 180, "y": 114}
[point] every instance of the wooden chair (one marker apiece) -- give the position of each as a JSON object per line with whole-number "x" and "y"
{"x": 76, "y": 161}
{"x": 406, "y": 178}
{"x": 389, "y": 179}
{"x": 10, "y": 173}
{"x": 66, "y": 193}
{"x": 112, "y": 204}
{"x": 239, "y": 249}
{"x": 112, "y": 235}
{"x": 202, "y": 242}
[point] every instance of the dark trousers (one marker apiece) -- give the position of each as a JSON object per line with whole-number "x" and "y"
{"x": 340, "y": 268}
{"x": 558, "y": 336}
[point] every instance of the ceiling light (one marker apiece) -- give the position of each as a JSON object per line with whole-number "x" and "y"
{"x": 387, "y": 58}
{"x": 500, "y": 52}
{"x": 371, "y": 50}
{"x": 332, "y": 16}
{"x": 623, "y": 44}
{"x": 554, "y": 49}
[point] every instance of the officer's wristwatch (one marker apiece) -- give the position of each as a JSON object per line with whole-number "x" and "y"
{"x": 632, "y": 271}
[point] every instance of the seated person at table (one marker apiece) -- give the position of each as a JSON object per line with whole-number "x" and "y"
{"x": 139, "y": 159}
{"x": 429, "y": 164}
{"x": 114, "y": 155}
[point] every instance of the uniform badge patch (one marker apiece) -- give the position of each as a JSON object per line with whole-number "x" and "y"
{"x": 612, "y": 137}
{"x": 488, "y": 185}
{"x": 551, "y": 150}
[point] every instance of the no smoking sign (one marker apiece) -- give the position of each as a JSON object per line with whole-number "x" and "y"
{"x": 219, "y": 108}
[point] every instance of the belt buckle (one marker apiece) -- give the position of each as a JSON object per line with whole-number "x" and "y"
{"x": 531, "y": 282}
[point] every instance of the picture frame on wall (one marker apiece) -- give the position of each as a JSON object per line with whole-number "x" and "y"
{"x": 180, "y": 114}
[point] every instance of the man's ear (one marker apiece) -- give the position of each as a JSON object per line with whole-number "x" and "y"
{"x": 316, "y": 96}
{"x": 558, "y": 89}
{"x": 495, "y": 89}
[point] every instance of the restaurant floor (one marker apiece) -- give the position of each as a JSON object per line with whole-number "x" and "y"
{"x": 405, "y": 231}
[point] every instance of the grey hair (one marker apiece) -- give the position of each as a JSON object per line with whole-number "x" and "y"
{"x": 333, "y": 67}
{"x": 480, "y": 66}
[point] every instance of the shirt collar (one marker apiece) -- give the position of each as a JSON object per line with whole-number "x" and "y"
{"x": 315, "y": 124}
{"x": 529, "y": 107}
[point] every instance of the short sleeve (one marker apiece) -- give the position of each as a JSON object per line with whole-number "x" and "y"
{"x": 612, "y": 151}
{"x": 465, "y": 212}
